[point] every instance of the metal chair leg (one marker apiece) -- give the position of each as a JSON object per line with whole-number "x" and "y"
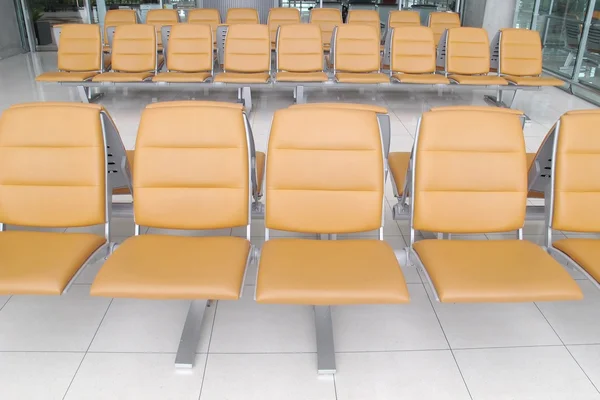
{"x": 325, "y": 347}
{"x": 190, "y": 337}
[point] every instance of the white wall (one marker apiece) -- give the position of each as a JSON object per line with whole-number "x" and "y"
{"x": 498, "y": 14}
{"x": 10, "y": 37}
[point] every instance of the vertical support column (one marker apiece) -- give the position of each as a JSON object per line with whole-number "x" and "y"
{"x": 536, "y": 14}
{"x": 325, "y": 347}
{"x": 584, "y": 38}
{"x": 190, "y": 337}
{"x": 29, "y": 26}
{"x": 300, "y": 99}
{"x": 89, "y": 11}
{"x": 246, "y": 97}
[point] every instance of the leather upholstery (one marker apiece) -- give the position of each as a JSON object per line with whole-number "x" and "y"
{"x": 123, "y": 77}
{"x": 301, "y": 77}
{"x": 576, "y": 186}
{"x": 357, "y": 49}
{"x": 467, "y": 51}
{"x": 80, "y": 48}
{"x": 114, "y": 18}
{"x": 324, "y": 171}
{"x": 247, "y": 48}
{"x": 182, "y": 77}
{"x": 174, "y": 267}
{"x": 520, "y": 52}
{"x": 134, "y": 48}
{"x": 357, "y": 77}
{"x": 534, "y": 80}
{"x": 300, "y": 48}
{"x": 399, "y": 18}
{"x": 440, "y": 21}
{"x": 471, "y": 271}
{"x": 327, "y": 19}
{"x": 280, "y": 17}
{"x": 42, "y": 262}
{"x": 335, "y": 272}
{"x": 233, "y": 77}
{"x": 160, "y": 18}
{"x": 242, "y": 16}
{"x": 479, "y": 79}
{"x": 426, "y": 79}
{"x": 344, "y": 106}
{"x": 52, "y": 165}
{"x": 365, "y": 17}
{"x": 191, "y": 166}
{"x": 585, "y": 252}
{"x": 190, "y": 48}
{"x": 413, "y": 50}
{"x": 501, "y": 110}
{"x": 260, "y": 158}
{"x": 470, "y": 179}
{"x": 208, "y": 16}
{"x": 65, "y": 76}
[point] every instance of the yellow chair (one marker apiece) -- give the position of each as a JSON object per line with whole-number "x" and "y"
{"x": 327, "y": 19}
{"x": 189, "y": 55}
{"x": 192, "y": 172}
{"x": 365, "y": 17}
{"x": 160, "y": 18}
{"x": 439, "y": 22}
{"x": 342, "y": 171}
{"x": 300, "y": 54}
{"x": 247, "y": 55}
{"x": 79, "y": 54}
{"x": 279, "y": 17}
{"x": 402, "y": 18}
{"x": 413, "y": 57}
{"x": 53, "y": 173}
{"x": 114, "y": 18}
{"x": 208, "y": 16}
{"x": 242, "y": 16}
{"x": 468, "y": 179}
{"x": 134, "y": 57}
{"x": 356, "y": 55}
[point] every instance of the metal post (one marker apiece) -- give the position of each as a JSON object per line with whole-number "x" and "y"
{"x": 457, "y": 7}
{"x": 190, "y": 337}
{"x": 536, "y": 13}
{"x": 584, "y": 38}
{"x": 29, "y": 27}
{"x": 87, "y": 4}
{"x": 325, "y": 349}
{"x": 321, "y": 4}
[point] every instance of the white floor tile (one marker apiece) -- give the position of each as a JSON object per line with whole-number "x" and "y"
{"x": 576, "y": 322}
{"x": 51, "y": 323}
{"x": 265, "y": 377}
{"x": 148, "y": 326}
{"x": 245, "y": 326}
{"x": 401, "y": 375}
{"x": 37, "y": 375}
{"x": 115, "y": 376}
{"x": 588, "y": 358}
{"x": 524, "y": 373}
{"x": 412, "y": 326}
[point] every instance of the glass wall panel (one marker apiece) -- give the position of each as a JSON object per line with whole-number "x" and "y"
{"x": 589, "y": 73}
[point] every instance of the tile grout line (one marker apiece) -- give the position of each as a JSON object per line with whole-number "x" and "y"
{"x": 86, "y": 351}
{"x": 212, "y": 329}
{"x": 449, "y": 346}
{"x": 335, "y": 388}
{"x": 566, "y": 348}
{"x": 5, "y": 303}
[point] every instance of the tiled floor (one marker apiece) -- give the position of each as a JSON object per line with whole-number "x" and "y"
{"x": 78, "y": 347}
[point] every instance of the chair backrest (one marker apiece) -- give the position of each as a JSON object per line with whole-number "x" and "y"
{"x": 400, "y": 18}
{"x": 80, "y": 48}
{"x": 365, "y": 17}
{"x": 299, "y": 48}
{"x": 242, "y": 16}
{"x": 208, "y": 16}
{"x": 190, "y": 48}
{"x": 134, "y": 48}
{"x": 160, "y": 18}
{"x": 281, "y": 16}
{"x": 413, "y": 50}
{"x": 192, "y": 167}
{"x": 114, "y": 18}
{"x": 440, "y": 21}
{"x": 520, "y": 52}
{"x": 52, "y": 165}
{"x": 327, "y": 166}
{"x": 470, "y": 172}
{"x": 357, "y": 48}
{"x": 575, "y": 172}
{"x": 327, "y": 19}
{"x": 467, "y": 51}
{"x": 247, "y": 48}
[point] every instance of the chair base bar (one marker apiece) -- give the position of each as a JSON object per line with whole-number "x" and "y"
{"x": 566, "y": 260}
{"x": 325, "y": 347}
{"x": 414, "y": 259}
{"x": 190, "y": 337}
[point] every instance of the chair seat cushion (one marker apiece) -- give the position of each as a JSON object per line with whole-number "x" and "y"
{"x": 426, "y": 79}
{"x": 398, "y": 163}
{"x": 479, "y": 79}
{"x": 329, "y": 272}
{"x": 585, "y": 252}
{"x": 174, "y": 267}
{"x": 42, "y": 262}
{"x": 123, "y": 77}
{"x": 534, "y": 80}
{"x": 302, "y": 77}
{"x": 351, "y": 77}
{"x": 234, "y": 77}
{"x": 260, "y": 170}
{"x": 65, "y": 76}
{"x": 182, "y": 77}
{"x": 474, "y": 271}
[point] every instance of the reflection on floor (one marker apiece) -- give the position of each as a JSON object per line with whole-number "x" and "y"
{"x": 77, "y": 347}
